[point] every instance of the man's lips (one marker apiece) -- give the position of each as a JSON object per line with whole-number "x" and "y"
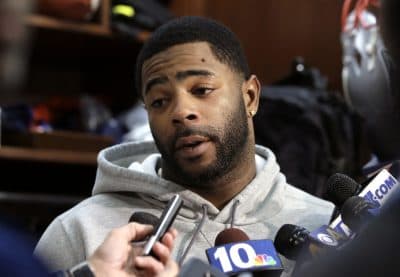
{"x": 190, "y": 141}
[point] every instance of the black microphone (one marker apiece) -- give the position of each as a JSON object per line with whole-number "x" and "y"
{"x": 291, "y": 241}
{"x": 298, "y": 244}
{"x": 339, "y": 188}
{"x": 357, "y": 212}
{"x": 378, "y": 190}
{"x": 235, "y": 254}
{"x": 295, "y": 242}
{"x": 144, "y": 218}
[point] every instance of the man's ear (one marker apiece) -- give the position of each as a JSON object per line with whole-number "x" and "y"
{"x": 251, "y": 90}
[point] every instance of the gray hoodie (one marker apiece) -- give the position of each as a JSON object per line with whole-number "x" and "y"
{"x": 122, "y": 188}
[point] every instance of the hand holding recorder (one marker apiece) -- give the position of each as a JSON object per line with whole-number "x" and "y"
{"x": 116, "y": 256}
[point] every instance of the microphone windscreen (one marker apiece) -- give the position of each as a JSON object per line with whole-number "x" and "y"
{"x": 230, "y": 235}
{"x": 356, "y": 212}
{"x": 144, "y": 218}
{"x": 340, "y": 187}
{"x": 290, "y": 240}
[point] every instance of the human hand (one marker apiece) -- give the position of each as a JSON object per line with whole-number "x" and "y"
{"x": 166, "y": 266}
{"x": 116, "y": 256}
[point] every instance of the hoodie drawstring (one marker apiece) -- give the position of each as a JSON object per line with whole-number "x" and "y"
{"x": 197, "y": 231}
{"x": 195, "y": 234}
{"x": 235, "y": 204}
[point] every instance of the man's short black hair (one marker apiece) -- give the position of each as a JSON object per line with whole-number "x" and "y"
{"x": 223, "y": 43}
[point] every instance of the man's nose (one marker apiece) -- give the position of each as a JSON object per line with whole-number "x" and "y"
{"x": 185, "y": 111}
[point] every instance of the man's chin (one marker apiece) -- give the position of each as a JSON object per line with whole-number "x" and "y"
{"x": 196, "y": 175}
{"x": 193, "y": 172}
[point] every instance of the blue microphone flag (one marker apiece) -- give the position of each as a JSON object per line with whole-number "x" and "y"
{"x": 250, "y": 255}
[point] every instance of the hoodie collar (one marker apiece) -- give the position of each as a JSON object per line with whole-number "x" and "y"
{"x": 261, "y": 198}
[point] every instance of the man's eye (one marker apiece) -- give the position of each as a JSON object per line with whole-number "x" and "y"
{"x": 202, "y": 90}
{"x": 157, "y": 103}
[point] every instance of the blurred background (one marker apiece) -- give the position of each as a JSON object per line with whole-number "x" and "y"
{"x": 67, "y": 91}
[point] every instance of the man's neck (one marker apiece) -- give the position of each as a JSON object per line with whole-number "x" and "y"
{"x": 221, "y": 190}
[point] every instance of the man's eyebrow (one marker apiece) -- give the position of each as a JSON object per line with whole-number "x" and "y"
{"x": 155, "y": 81}
{"x": 188, "y": 73}
{"x": 179, "y": 76}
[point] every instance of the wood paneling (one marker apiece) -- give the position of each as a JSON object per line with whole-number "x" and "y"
{"x": 274, "y": 32}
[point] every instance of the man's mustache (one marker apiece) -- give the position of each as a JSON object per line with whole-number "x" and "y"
{"x": 193, "y": 131}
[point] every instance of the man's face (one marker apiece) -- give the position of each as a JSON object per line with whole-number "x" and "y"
{"x": 196, "y": 113}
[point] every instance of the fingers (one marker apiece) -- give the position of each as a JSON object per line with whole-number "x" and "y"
{"x": 171, "y": 269}
{"x": 148, "y": 264}
{"x": 118, "y": 254}
{"x": 168, "y": 241}
{"x": 135, "y": 231}
{"x": 152, "y": 267}
{"x": 165, "y": 265}
{"x": 162, "y": 251}
{"x": 174, "y": 232}
{"x": 170, "y": 236}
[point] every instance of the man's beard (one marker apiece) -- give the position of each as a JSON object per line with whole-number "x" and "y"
{"x": 230, "y": 143}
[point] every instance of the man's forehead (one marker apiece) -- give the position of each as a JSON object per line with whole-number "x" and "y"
{"x": 195, "y": 47}
{"x": 193, "y": 52}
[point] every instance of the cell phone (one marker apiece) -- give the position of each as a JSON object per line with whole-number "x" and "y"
{"x": 165, "y": 222}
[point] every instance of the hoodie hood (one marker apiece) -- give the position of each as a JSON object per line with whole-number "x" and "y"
{"x": 114, "y": 176}
{"x": 260, "y": 209}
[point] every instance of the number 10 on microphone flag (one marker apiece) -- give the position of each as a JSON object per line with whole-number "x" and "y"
{"x": 251, "y": 255}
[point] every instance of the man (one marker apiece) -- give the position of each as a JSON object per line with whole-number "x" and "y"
{"x": 200, "y": 97}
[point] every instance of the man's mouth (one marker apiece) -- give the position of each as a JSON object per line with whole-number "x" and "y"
{"x": 192, "y": 147}
{"x": 190, "y": 142}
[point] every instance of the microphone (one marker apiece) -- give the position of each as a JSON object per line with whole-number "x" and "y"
{"x": 230, "y": 235}
{"x": 358, "y": 212}
{"x": 296, "y": 242}
{"x": 291, "y": 240}
{"x": 339, "y": 188}
{"x": 378, "y": 191}
{"x": 235, "y": 254}
{"x": 144, "y": 218}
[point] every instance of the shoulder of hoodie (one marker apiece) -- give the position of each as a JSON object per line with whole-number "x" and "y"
{"x": 97, "y": 207}
{"x": 297, "y": 195}
{"x": 291, "y": 192}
